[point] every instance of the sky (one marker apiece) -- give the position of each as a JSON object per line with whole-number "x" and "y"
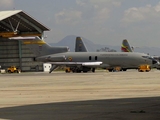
{"x": 101, "y": 21}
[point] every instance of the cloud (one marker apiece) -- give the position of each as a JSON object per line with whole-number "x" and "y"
{"x": 70, "y": 17}
{"x": 97, "y": 11}
{"x": 147, "y": 13}
{"x": 133, "y": 15}
{"x": 102, "y": 15}
{"x": 81, "y": 2}
{"x": 88, "y": 17}
{"x": 115, "y": 3}
{"x": 6, "y": 3}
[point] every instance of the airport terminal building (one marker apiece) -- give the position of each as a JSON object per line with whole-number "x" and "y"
{"x": 17, "y": 23}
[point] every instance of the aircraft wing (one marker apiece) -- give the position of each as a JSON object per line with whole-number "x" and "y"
{"x": 89, "y": 64}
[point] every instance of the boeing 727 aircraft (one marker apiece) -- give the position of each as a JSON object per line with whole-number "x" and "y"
{"x": 85, "y": 61}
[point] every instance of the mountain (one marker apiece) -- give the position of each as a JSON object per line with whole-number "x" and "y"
{"x": 92, "y": 47}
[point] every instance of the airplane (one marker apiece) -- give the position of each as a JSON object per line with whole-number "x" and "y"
{"x": 41, "y": 48}
{"x": 80, "y": 46}
{"x": 85, "y": 61}
{"x": 47, "y": 49}
{"x": 126, "y": 47}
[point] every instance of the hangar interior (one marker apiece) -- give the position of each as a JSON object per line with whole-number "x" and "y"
{"x": 17, "y": 23}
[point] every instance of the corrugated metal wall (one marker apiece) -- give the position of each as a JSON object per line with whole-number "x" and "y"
{"x": 12, "y": 52}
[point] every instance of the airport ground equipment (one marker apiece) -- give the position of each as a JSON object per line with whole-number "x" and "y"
{"x": 13, "y": 69}
{"x": 144, "y": 68}
{"x": 116, "y": 69}
{"x": 67, "y": 70}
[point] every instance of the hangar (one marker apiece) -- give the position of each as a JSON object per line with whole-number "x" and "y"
{"x": 17, "y": 23}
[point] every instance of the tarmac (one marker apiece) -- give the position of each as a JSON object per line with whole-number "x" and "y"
{"x": 102, "y": 95}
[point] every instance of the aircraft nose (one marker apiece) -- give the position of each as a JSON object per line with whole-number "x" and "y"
{"x": 155, "y": 61}
{"x": 158, "y": 63}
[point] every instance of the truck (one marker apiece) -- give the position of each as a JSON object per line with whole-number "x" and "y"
{"x": 144, "y": 68}
{"x": 67, "y": 69}
{"x": 13, "y": 69}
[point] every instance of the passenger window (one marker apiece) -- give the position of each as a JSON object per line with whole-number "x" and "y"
{"x": 95, "y": 57}
{"x": 90, "y": 57}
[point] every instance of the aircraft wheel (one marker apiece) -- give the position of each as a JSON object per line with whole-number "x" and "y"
{"x": 66, "y": 71}
{"x": 110, "y": 70}
{"x": 124, "y": 69}
{"x": 93, "y": 70}
{"x": 78, "y": 71}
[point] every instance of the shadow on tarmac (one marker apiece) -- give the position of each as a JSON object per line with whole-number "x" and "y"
{"x": 112, "y": 109}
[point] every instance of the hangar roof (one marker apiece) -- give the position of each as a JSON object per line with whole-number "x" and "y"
{"x": 19, "y": 21}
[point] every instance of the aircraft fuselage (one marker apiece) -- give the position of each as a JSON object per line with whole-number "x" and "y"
{"x": 128, "y": 60}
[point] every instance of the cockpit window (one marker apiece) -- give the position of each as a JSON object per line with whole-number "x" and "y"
{"x": 145, "y": 56}
{"x": 149, "y": 57}
{"x": 154, "y": 61}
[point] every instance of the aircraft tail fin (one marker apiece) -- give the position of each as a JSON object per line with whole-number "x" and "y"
{"x": 80, "y": 46}
{"x": 125, "y": 46}
{"x": 40, "y": 47}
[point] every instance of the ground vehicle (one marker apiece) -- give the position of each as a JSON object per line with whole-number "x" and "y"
{"x": 13, "y": 69}
{"x": 116, "y": 69}
{"x": 144, "y": 68}
{"x": 67, "y": 69}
